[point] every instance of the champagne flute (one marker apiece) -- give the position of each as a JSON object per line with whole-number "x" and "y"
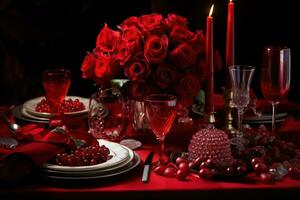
{"x": 161, "y": 112}
{"x": 241, "y": 76}
{"x": 275, "y": 76}
{"x": 56, "y": 83}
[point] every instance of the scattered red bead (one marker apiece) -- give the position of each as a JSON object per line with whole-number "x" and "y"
{"x": 91, "y": 155}
{"x": 68, "y": 105}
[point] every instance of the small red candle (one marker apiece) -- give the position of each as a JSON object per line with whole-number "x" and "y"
{"x": 209, "y": 106}
{"x": 229, "y": 41}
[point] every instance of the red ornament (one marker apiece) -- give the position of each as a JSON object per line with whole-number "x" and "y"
{"x": 210, "y": 143}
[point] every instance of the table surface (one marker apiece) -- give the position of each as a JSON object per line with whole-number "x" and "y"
{"x": 129, "y": 185}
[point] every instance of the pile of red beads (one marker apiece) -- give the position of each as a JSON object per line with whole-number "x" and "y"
{"x": 268, "y": 157}
{"x": 68, "y": 105}
{"x": 83, "y": 156}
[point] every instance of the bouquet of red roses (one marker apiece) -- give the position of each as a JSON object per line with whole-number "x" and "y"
{"x": 157, "y": 54}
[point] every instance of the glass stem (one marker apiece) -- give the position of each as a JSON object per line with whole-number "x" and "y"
{"x": 162, "y": 157}
{"x": 240, "y": 117}
{"x": 274, "y": 104}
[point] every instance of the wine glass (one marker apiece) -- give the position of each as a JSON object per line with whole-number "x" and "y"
{"x": 241, "y": 76}
{"x": 56, "y": 83}
{"x": 161, "y": 112}
{"x": 275, "y": 76}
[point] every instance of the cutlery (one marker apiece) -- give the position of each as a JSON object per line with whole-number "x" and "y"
{"x": 13, "y": 127}
{"x": 8, "y": 143}
{"x": 147, "y": 167}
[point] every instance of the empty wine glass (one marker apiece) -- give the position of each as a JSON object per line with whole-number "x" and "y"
{"x": 161, "y": 113}
{"x": 275, "y": 76}
{"x": 56, "y": 83}
{"x": 241, "y": 76}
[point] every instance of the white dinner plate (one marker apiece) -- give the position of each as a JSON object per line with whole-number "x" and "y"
{"x": 96, "y": 175}
{"x": 118, "y": 152}
{"x": 17, "y": 112}
{"x": 99, "y": 171}
{"x": 30, "y": 106}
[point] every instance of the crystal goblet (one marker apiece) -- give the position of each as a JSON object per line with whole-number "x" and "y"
{"x": 241, "y": 76}
{"x": 161, "y": 112}
{"x": 275, "y": 76}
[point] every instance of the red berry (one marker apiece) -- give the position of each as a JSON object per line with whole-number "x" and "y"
{"x": 241, "y": 169}
{"x": 255, "y": 160}
{"x": 266, "y": 177}
{"x": 159, "y": 170}
{"x": 180, "y": 160}
{"x": 170, "y": 172}
{"x": 260, "y": 168}
{"x": 205, "y": 173}
{"x": 181, "y": 174}
{"x": 184, "y": 167}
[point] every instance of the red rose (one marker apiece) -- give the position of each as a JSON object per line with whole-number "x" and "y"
{"x": 106, "y": 68}
{"x": 151, "y": 23}
{"x": 180, "y": 34}
{"x": 198, "y": 43}
{"x": 187, "y": 88}
{"x": 137, "y": 68}
{"x": 122, "y": 52}
{"x": 174, "y": 19}
{"x": 156, "y": 48}
{"x": 88, "y": 66}
{"x": 133, "y": 37}
{"x": 184, "y": 56}
{"x": 139, "y": 89}
{"x": 165, "y": 76}
{"x": 129, "y": 22}
{"x": 107, "y": 39}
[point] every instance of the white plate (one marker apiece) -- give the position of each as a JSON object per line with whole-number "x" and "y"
{"x": 26, "y": 114}
{"x": 30, "y": 106}
{"x": 119, "y": 153}
{"x": 266, "y": 117}
{"x": 133, "y": 164}
{"x": 99, "y": 171}
{"x": 17, "y": 112}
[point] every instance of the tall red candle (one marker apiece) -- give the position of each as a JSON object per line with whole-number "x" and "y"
{"x": 229, "y": 41}
{"x": 209, "y": 106}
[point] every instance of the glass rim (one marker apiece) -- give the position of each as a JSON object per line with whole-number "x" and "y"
{"x": 277, "y": 47}
{"x": 242, "y": 67}
{"x": 150, "y": 98}
{"x": 55, "y": 71}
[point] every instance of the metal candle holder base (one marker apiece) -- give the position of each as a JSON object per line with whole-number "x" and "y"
{"x": 229, "y": 129}
{"x": 209, "y": 118}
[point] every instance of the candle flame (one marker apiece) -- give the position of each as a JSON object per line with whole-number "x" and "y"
{"x": 211, "y": 10}
{"x": 230, "y": 1}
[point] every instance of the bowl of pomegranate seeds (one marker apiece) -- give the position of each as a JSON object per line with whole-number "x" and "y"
{"x": 72, "y": 105}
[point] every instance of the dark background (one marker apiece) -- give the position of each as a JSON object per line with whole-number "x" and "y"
{"x": 40, "y": 34}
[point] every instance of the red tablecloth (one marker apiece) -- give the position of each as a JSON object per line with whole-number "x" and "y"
{"x": 129, "y": 185}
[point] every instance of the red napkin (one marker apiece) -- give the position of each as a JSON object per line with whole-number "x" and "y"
{"x": 39, "y": 145}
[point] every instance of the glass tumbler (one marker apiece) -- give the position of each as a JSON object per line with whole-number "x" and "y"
{"x": 107, "y": 115}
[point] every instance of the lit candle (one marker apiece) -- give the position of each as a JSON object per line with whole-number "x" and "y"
{"x": 229, "y": 41}
{"x": 209, "y": 106}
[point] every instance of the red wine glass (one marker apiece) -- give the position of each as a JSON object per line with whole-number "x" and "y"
{"x": 56, "y": 84}
{"x": 161, "y": 112}
{"x": 275, "y": 76}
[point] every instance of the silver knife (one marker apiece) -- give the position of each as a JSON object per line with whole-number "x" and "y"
{"x": 147, "y": 167}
